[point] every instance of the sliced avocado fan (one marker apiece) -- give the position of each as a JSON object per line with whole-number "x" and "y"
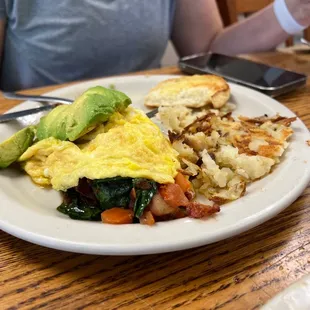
{"x": 94, "y": 106}
{"x": 12, "y": 148}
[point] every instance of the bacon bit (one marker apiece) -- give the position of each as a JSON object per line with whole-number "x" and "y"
{"x": 147, "y": 218}
{"x": 180, "y": 213}
{"x": 198, "y": 210}
{"x": 308, "y": 142}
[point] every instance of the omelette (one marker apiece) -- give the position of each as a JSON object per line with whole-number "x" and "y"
{"x": 108, "y": 160}
{"x": 128, "y": 145}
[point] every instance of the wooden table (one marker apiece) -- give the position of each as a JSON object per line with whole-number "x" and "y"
{"x": 242, "y": 272}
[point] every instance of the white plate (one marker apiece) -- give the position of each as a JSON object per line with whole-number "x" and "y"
{"x": 295, "y": 297}
{"x": 29, "y": 212}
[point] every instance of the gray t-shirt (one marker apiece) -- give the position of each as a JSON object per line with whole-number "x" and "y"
{"x": 54, "y": 41}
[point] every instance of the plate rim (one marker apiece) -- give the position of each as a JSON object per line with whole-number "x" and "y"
{"x": 248, "y": 223}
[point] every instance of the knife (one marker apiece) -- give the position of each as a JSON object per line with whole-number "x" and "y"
{"x": 14, "y": 115}
{"x": 12, "y": 95}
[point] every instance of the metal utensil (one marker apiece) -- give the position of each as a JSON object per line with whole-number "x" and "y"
{"x": 14, "y": 115}
{"x": 10, "y": 95}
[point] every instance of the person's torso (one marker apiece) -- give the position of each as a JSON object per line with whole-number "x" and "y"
{"x": 57, "y": 41}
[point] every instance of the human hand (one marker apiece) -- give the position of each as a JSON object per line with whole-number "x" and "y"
{"x": 300, "y": 10}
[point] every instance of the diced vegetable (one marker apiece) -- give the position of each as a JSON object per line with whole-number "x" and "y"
{"x": 90, "y": 198}
{"x": 126, "y": 200}
{"x": 173, "y": 195}
{"x": 117, "y": 216}
{"x": 159, "y": 207}
{"x": 79, "y": 208}
{"x": 144, "y": 191}
{"x": 147, "y": 218}
{"x": 183, "y": 182}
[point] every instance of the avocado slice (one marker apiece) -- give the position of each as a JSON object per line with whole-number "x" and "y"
{"x": 94, "y": 106}
{"x": 12, "y": 148}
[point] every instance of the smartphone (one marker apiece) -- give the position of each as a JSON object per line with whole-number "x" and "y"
{"x": 269, "y": 80}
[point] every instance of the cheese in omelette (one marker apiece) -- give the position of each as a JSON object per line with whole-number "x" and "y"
{"x": 128, "y": 145}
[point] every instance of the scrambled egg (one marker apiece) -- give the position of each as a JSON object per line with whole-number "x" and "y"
{"x": 128, "y": 145}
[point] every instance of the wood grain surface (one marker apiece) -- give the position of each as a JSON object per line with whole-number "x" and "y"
{"x": 242, "y": 272}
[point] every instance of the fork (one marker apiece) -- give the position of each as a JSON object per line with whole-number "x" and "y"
{"x": 11, "y": 116}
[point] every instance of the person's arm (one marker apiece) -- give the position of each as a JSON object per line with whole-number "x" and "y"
{"x": 196, "y": 24}
{"x": 198, "y": 28}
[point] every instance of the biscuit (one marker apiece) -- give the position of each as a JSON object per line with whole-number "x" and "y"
{"x": 190, "y": 91}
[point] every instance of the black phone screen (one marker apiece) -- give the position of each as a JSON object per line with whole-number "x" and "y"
{"x": 244, "y": 70}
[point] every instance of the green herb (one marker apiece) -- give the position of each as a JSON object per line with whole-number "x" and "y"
{"x": 109, "y": 193}
{"x": 77, "y": 208}
{"x": 114, "y": 192}
{"x": 145, "y": 190}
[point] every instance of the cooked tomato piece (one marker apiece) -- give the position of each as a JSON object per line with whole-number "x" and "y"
{"x": 159, "y": 207}
{"x": 173, "y": 195}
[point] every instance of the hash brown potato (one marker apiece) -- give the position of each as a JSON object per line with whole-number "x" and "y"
{"x": 222, "y": 154}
